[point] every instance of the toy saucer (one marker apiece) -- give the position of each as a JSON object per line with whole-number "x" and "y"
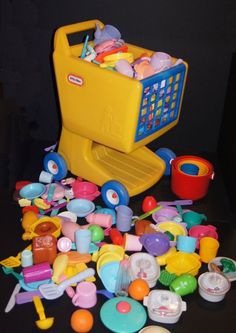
{"x": 33, "y": 190}
{"x": 81, "y": 207}
{"x": 123, "y": 314}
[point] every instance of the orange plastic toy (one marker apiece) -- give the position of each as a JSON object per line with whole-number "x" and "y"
{"x": 138, "y": 289}
{"x": 82, "y": 321}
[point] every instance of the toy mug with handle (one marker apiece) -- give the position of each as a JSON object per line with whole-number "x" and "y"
{"x": 193, "y": 218}
{"x": 86, "y": 295}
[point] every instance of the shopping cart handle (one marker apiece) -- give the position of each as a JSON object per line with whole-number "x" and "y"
{"x": 61, "y": 43}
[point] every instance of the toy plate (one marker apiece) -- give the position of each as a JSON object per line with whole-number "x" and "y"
{"x": 81, "y": 207}
{"x": 33, "y": 190}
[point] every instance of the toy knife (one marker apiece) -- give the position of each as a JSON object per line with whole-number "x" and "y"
{"x": 12, "y": 300}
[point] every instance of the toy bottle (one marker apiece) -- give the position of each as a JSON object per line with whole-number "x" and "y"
{"x": 104, "y": 220}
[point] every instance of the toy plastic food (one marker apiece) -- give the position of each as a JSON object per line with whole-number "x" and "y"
{"x": 82, "y": 321}
{"x": 59, "y": 267}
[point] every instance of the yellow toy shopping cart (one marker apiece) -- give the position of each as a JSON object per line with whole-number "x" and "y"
{"x": 108, "y": 118}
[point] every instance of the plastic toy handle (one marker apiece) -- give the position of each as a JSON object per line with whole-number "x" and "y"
{"x": 39, "y": 307}
{"x": 61, "y": 43}
{"x": 77, "y": 278}
{"x": 150, "y": 212}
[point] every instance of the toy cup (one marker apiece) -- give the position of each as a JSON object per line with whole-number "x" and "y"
{"x": 45, "y": 177}
{"x": 184, "y": 284}
{"x": 123, "y": 218}
{"x": 86, "y": 295}
{"x": 160, "y": 61}
{"x": 186, "y": 243}
{"x": 208, "y": 249}
{"x": 199, "y": 231}
{"x": 132, "y": 243}
{"x": 83, "y": 239}
{"x": 190, "y": 169}
{"x": 26, "y": 258}
{"x": 193, "y": 218}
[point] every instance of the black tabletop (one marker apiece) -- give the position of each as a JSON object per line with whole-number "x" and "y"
{"x": 201, "y": 315}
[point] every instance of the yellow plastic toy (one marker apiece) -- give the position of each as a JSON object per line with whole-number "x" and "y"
{"x": 108, "y": 118}
{"x": 182, "y": 262}
{"x": 42, "y": 323}
{"x": 38, "y": 227}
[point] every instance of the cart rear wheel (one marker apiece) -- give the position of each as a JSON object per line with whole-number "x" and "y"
{"x": 114, "y": 194}
{"x": 167, "y": 155}
{"x": 55, "y": 164}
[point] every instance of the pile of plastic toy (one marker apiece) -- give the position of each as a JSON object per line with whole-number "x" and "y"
{"x": 73, "y": 243}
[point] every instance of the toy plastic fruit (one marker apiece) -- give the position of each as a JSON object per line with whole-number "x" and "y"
{"x": 82, "y": 321}
{"x": 138, "y": 289}
{"x": 149, "y": 203}
{"x": 97, "y": 233}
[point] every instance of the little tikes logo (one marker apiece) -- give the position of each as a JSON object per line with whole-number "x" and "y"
{"x": 75, "y": 79}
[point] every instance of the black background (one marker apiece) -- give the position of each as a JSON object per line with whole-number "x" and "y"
{"x": 203, "y": 33}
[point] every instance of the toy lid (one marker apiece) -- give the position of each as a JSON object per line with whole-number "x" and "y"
{"x": 123, "y": 314}
{"x": 164, "y": 304}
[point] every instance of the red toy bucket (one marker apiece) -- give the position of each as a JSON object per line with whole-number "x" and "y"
{"x": 187, "y": 186}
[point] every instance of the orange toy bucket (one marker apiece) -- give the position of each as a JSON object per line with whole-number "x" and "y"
{"x": 187, "y": 186}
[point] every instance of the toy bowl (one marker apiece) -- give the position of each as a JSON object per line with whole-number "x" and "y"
{"x": 85, "y": 190}
{"x": 213, "y": 286}
{"x": 199, "y": 231}
{"x": 166, "y": 214}
{"x": 32, "y": 190}
{"x": 81, "y": 207}
{"x": 156, "y": 244}
{"x": 174, "y": 228}
{"x": 183, "y": 262}
{"x": 106, "y": 258}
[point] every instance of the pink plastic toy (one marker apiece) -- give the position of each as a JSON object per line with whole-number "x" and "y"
{"x": 104, "y": 220}
{"x": 37, "y": 272}
{"x": 200, "y": 231}
{"x": 85, "y": 190}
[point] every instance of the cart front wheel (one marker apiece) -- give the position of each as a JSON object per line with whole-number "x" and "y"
{"x": 114, "y": 194}
{"x": 55, "y": 164}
